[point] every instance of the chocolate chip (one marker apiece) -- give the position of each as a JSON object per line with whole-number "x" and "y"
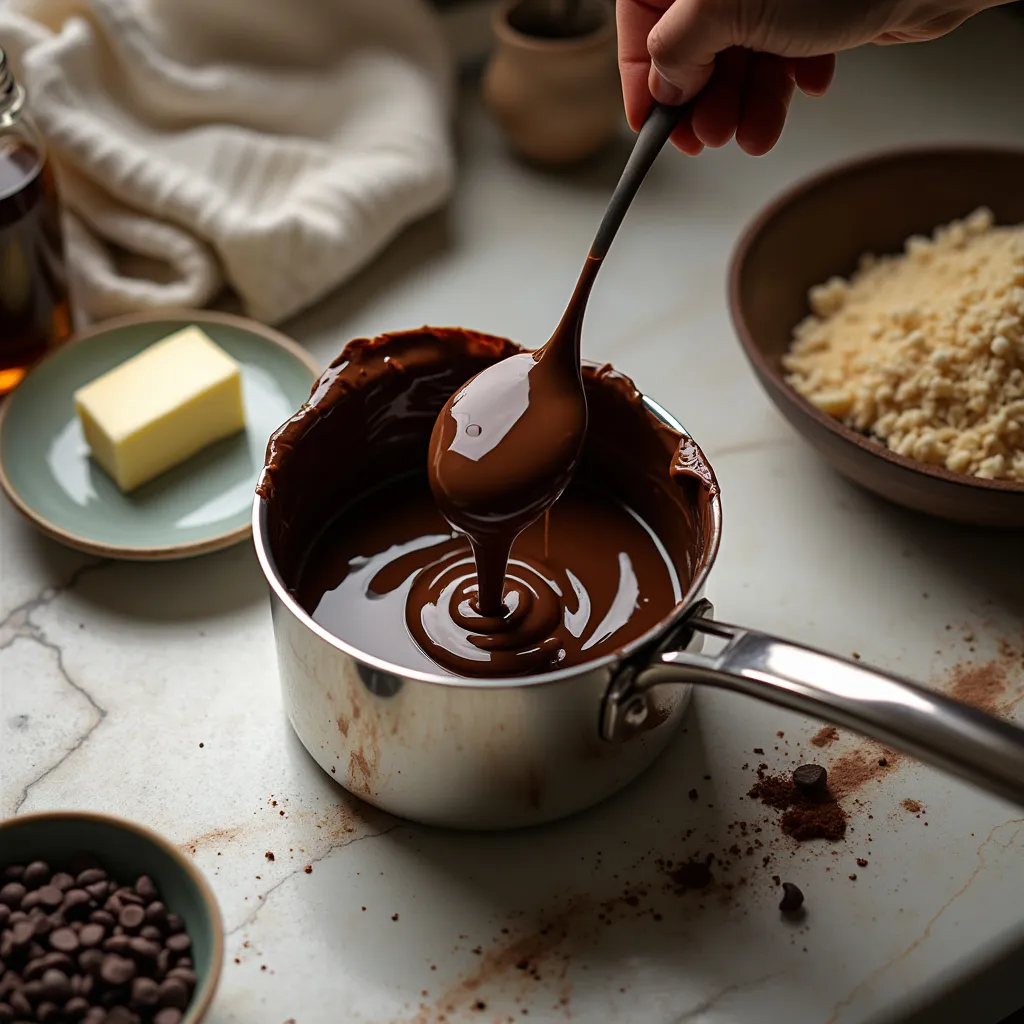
{"x": 117, "y": 970}
{"x": 12, "y": 894}
{"x": 63, "y": 881}
{"x": 152, "y": 933}
{"x": 185, "y": 974}
{"x": 92, "y": 934}
{"x": 103, "y": 917}
{"x": 145, "y": 992}
{"x": 6, "y": 1013}
{"x": 5, "y": 914}
{"x": 811, "y": 779}
{"x": 179, "y": 943}
{"x": 20, "y": 1005}
{"x": 90, "y": 960}
{"x": 49, "y": 1013}
{"x": 114, "y": 904}
{"x": 76, "y": 902}
{"x": 50, "y": 896}
{"x": 174, "y": 992}
{"x": 156, "y": 914}
{"x": 168, "y": 1015}
{"x": 64, "y": 940}
{"x": 131, "y": 917}
{"x": 120, "y": 1015}
{"x": 792, "y": 898}
{"x": 175, "y": 923}
{"x": 116, "y": 944}
{"x": 146, "y": 887}
{"x": 76, "y": 1006}
{"x": 31, "y": 901}
{"x": 90, "y": 876}
{"x": 144, "y": 948}
{"x": 127, "y": 895}
{"x": 97, "y": 1015}
{"x": 21, "y": 934}
{"x": 33, "y": 991}
{"x": 35, "y": 874}
{"x": 98, "y": 890}
{"x": 56, "y": 986}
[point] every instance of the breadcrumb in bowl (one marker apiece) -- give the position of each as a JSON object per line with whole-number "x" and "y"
{"x": 805, "y": 248}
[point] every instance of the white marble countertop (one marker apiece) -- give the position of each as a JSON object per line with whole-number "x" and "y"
{"x": 151, "y": 691}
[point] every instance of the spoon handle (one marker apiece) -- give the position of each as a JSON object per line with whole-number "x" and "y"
{"x": 649, "y": 143}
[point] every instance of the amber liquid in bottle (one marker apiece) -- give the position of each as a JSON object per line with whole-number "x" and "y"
{"x": 35, "y": 313}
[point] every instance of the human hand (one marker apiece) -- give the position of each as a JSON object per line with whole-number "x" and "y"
{"x": 743, "y": 59}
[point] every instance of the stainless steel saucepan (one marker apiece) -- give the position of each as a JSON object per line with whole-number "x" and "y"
{"x": 486, "y": 753}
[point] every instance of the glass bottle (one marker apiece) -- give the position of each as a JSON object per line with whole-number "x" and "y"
{"x": 35, "y": 313}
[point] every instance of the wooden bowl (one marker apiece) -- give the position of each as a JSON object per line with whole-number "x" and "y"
{"x": 820, "y": 228}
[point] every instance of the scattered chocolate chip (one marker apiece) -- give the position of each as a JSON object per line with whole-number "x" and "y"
{"x": 269, "y": 855}
{"x": 792, "y": 898}
{"x": 862, "y": 862}
{"x": 811, "y": 779}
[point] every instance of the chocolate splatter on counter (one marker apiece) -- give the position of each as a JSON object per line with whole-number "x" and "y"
{"x": 912, "y": 806}
{"x": 806, "y": 814}
{"x": 995, "y": 686}
{"x": 852, "y": 770}
{"x": 825, "y": 737}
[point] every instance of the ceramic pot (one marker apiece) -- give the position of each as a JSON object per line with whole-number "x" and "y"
{"x": 502, "y": 753}
{"x": 554, "y": 92}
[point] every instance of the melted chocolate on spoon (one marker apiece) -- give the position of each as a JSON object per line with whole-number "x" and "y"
{"x": 507, "y": 443}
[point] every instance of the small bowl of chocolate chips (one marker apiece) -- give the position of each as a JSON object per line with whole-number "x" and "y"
{"x": 102, "y": 922}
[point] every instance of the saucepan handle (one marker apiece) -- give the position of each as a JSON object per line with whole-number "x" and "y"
{"x": 934, "y": 729}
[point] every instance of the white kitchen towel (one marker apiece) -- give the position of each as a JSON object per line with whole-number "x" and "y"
{"x": 273, "y": 145}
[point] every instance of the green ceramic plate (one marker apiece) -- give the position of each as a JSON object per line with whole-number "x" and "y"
{"x": 200, "y": 506}
{"x": 127, "y": 850}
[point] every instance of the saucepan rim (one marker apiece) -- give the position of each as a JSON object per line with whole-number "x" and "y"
{"x": 664, "y": 625}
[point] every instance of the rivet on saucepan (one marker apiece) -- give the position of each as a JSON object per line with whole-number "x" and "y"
{"x": 635, "y": 712}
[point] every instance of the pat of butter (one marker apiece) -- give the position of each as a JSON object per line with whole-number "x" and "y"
{"x": 161, "y": 407}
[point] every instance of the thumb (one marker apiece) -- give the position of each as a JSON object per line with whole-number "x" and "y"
{"x": 683, "y": 45}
